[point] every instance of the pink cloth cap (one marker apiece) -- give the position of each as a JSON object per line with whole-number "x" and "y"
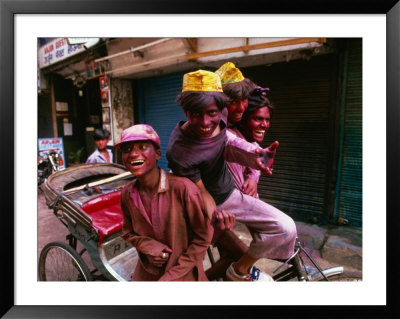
{"x": 139, "y": 132}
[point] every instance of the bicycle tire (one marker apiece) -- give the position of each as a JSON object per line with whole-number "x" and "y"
{"x": 60, "y": 262}
{"x": 345, "y": 276}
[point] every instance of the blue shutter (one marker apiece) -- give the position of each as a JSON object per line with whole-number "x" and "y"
{"x": 302, "y": 92}
{"x": 349, "y": 187}
{"x": 158, "y": 107}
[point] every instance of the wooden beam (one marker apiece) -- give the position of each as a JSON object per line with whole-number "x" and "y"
{"x": 257, "y": 46}
{"x": 245, "y": 44}
{"x": 53, "y": 107}
{"x": 192, "y": 43}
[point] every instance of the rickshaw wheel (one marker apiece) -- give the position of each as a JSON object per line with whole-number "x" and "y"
{"x": 347, "y": 275}
{"x": 60, "y": 262}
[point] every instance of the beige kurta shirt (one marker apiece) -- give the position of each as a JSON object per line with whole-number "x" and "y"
{"x": 178, "y": 221}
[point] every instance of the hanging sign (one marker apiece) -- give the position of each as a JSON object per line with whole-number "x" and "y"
{"x": 60, "y": 48}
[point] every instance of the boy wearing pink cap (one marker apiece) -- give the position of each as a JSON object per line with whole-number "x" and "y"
{"x": 163, "y": 215}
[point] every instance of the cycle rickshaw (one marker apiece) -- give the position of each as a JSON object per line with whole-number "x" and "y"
{"x": 86, "y": 199}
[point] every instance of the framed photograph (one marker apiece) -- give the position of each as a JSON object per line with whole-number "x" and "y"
{"x": 377, "y": 22}
{"x": 105, "y": 97}
{"x": 106, "y": 114}
{"x": 103, "y": 81}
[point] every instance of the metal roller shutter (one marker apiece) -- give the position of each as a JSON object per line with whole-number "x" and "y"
{"x": 158, "y": 107}
{"x": 349, "y": 186}
{"x": 302, "y": 93}
{"x": 304, "y": 122}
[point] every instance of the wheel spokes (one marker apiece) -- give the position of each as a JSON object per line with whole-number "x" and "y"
{"x": 60, "y": 266}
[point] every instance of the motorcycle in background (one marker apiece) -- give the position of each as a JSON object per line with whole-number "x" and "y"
{"x": 48, "y": 163}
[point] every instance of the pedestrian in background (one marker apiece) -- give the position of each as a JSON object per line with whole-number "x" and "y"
{"x": 101, "y": 154}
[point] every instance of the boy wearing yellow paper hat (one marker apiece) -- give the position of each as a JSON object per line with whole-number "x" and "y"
{"x": 238, "y": 88}
{"x": 197, "y": 150}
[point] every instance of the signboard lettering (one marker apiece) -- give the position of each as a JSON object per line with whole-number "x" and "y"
{"x": 59, "y": 49}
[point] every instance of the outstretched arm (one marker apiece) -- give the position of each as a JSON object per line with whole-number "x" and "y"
{"x": 247, "y": 154}
{"x": 266, "y": 159}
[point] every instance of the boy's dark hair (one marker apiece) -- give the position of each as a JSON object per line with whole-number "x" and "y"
{"x": 195, "y": 101}
{"x": 101, "y": 134}
{"x": 239, "y": 90}
{"x": 257, "y": 99}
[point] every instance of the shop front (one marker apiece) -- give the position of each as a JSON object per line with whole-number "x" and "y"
{"x": 318, "y": 168}
{"x": 73, "y": 94}
{"x": 315, "y": 86}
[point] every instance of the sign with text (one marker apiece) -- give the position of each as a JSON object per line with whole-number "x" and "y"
{"x": 55, "y": 144}
{"x": 59, "y": 49}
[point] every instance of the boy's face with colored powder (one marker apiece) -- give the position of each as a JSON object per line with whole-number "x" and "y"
{"x": 257, "y": 124}
{"x": 236, "y": 110}
{"x": 140, "y": 157}
{"x": 204, "y": 122}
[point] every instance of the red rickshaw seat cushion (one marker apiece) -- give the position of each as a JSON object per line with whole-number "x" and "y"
{"x": 106, "y": 214}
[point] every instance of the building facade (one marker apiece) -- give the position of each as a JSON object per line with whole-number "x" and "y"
{"x": 316, "y": 88}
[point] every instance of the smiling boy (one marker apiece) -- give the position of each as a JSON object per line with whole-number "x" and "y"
{"x": 238, "y": 89}
{"x": 197, "y": 150}
{"x": 163, "y": 215}
{"x": 253, "y": 127}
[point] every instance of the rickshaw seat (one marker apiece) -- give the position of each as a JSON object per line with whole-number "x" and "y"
{"x": 106, "y": 214}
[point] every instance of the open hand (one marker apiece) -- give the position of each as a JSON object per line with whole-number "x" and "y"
{"x": 266, "y": 159}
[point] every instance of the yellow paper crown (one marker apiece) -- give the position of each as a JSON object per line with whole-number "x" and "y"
{"x": 201, "y": 80}
{"x": 229, "y": 73}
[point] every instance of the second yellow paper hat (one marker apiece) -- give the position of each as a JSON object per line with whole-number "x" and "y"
{"x": 201, "y": 80}
{"x": 229, "y": 73}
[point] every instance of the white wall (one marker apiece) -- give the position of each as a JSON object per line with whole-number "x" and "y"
{"x": 121, "y": 106}
{"x": 170, "y": 56}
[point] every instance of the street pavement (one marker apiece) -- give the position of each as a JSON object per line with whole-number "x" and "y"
{"x": 329, "y": 246}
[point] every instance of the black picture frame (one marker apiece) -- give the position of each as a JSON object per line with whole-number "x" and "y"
{"x": 106, "y": 114}
{"x": 8, "y": 10}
